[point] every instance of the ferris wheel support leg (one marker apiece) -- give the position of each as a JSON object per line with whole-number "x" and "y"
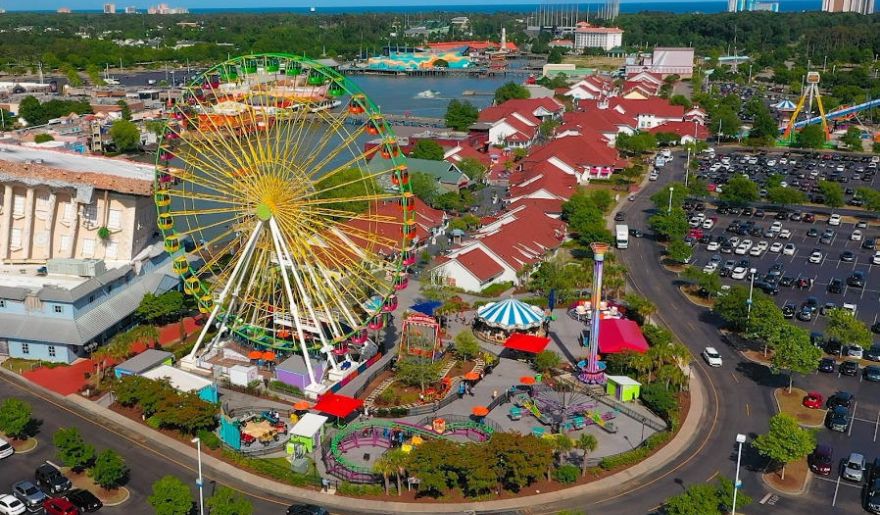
{"x": 235, "y": 271}
{"x": 276, "y": 241}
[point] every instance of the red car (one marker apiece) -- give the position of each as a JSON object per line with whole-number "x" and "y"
{"x": 814, "y": 400}
{"x": 60, "y": 507}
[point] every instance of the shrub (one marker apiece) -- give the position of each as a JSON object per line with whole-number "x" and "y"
{"x": 660, "y": 400}
{"x": 636, "y": 455}
{"x": 352, "y": 489}
{"x": 42, "y": 138}
{"x": 387, "y": 397}
{"x": 567, "y": 474}
{"x": 104, "y": 233}
{"x": 209, "y": 438}
{"x": 285, "y": 388}
{"x": 275, "y": 468}
{"x": 494, "y": 290}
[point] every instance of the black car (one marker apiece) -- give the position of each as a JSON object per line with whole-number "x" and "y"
{"x": 759, "y": 213}
{"x": 821, "y": 459}
{"x": 869, "y": 243}
{"x": 84, "y": 500}
{"x": 619, "y": 216}
{"x": 872, "y": 496}
{"x": 838, "y": 419}
{"x": 871, "y": 373}
{"x": 636, "y": 233}
{"x": 875, "y": 327}
{"x": 844, "y": 399}
{"x": 788, "y": 310}
{"x": 849, "y": 368}
{"x": 786, "y": 280}
{"x": 782, "y": 215}
{"x": 827, "y": 365}
{"x": 835, "y": 286}
{"x": 847, "y": 256}
{"x": 748, "y": 211}
{"x": 50, "y": 479}
{"x": 813, "y": 232}
{"x": 833, "y": 347}
{"x": 873, "y": 353}
{"x": 826, "y": 308}
{"x": 856, "y": 280}
{"x": 306, "y": 509}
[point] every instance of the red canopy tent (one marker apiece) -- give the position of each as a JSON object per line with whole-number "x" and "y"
{"x": 337, "y": 405}
{"x": 526, "y": 343}
{"x": 619, "y": 335}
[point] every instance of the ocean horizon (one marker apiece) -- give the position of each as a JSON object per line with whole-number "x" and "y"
{"x": 680, "y": 7}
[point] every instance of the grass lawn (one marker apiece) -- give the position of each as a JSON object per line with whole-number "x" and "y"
{"x": 792, "y": 403}
{"x": 19, "y": 365}
{"x": 594, "y": 61}
{"x": 796, "y": 475}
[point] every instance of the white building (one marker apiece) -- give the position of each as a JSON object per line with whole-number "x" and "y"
{"x": 109, "y": 8}
{"x": 848, "y": 6}
{"x": 588, "y": 36}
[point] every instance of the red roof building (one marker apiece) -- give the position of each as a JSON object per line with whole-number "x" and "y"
{"x": 386, "y": 221}
{"x": 621, "y": 335}
{"x": 688, "y": 131}
{"x": 515, "y": 123}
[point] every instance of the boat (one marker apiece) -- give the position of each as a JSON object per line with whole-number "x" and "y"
{"x": 428, "y": 93}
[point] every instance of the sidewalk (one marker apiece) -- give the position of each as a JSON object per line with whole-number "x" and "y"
{"x": 225, "y": 473}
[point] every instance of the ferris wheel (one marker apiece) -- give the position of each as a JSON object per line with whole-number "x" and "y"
{"x": 269, "y": 201}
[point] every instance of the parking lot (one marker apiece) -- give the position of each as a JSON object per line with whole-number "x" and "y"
{"x": 826, "y": 269}
{"x": 798, "y": 169}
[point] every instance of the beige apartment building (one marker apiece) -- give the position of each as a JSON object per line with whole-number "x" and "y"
{"x": 48, "y": 212}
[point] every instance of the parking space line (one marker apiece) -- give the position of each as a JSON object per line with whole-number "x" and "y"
{"x": 748, "y": 410}
{"x": 737, "y": 380}
{"x": 851, "y": 424}
{"x": 828, "y": 480}
{"x": 876, "y": 425}
{"x": 836, "y": 488}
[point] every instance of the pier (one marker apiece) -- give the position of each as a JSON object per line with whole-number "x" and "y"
{"x": 440, "y": 72}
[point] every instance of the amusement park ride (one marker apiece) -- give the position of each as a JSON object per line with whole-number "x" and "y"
{"x": 267, "y": 206}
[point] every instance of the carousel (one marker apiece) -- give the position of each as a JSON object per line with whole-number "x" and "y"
{"x": 496, "y": 321}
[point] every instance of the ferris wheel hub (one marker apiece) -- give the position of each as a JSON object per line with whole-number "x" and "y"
{"x": 263, "y": 212}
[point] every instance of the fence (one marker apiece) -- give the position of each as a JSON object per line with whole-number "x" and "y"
{"x": 619, "y": 407}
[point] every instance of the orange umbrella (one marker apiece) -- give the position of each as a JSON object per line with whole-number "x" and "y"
{"x": 472, "y": 376}
{"x": 255, "y": 354}
{"x": 302, "y": 405}
{"x": 480, "y": 411}
{"x": 269, "y": 356}
{"x": 527, "y": 380}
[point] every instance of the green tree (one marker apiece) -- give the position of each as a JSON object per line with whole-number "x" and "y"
{"x": 661, "y": 198}
{"x": 94, "y": 74}
{"x": 785, "y": 196}
{"x": 844, "y": 327}
{"x": 679, "y": 251}
{"x": 740, "y": 191}
{"x": 638, "y": 307}
{"x": 548, "y": 128}
{"x": 43, "y": 138}
{"x": 72, "y": 76}
{"x": 15, "y": 417}
{"x": 423, "y": 186}
{"x": 636, "y": 144}
{"x": 706, "y": 499}
{"x": 670, "y": 226}
{"x": 155, "y": 127}
{"x": 466, "y": 345}
{"x": 109, "y": 470}
{"x": 125, "y": 109}
{"x": 171, "y": 496}
{"x": 786, "y": 441}
{"x": 519, "y": 460}
{"x": 461, "y": 114}
{"x": 792, "y": 351}
{"x": 509, "y": 91}
{"x": 384, "y": 467}
{"x": 227, "y": 501}
{"x": 853, "y": 139}
{"x": 473, "y": 168}
{"x": 73, "y": 451}
{"x": 555, "y": 55}
{"x": 159, "y": 309}
{"x": 547, "y": 360}
{"x": 31, "y": 110}
{"x": 709, "y": 284}
{"x": 870, "y": 196}
{"x": 811, "y": 136}
{"x": 680, "y": 100}
{"x": 832, "y": 192}
{"x": 765, "y": 317}
{"x": 415, "y": 371}
{"x": 587, "y": 443}
{"x": 725, "y": 122}
{"x": 125, "y": 135}
{"x": 7, "y": 120}
{"x": 427, "y": 149}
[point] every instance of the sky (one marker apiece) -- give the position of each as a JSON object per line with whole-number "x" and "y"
{"x": 12, "y": 5}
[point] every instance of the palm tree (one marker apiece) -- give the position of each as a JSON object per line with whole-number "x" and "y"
{"x": 660, "y": 355}
{"x": 561, "y": 443}
{"x": 671, "y": 375}
{"x": 587, "y": 443}
{"x": 643, "y": 364}
{"x": 398, "y": 459}
{"x": 385, "y": 467}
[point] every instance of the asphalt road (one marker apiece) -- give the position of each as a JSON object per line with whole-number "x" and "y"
{"x": 147, "y": 463}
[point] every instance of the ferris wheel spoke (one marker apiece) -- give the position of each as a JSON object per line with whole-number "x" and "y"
{"x": 317, "y": 170}
{"x": 335, "y": 125}
{"x": 356, "y": 258}
{"x": 348, "y": 200}
{"x": 221, "y": 151}
{"x": 342, "y": 214}
{"x": 205, "y": 197}
{"x": 229, "y": 155}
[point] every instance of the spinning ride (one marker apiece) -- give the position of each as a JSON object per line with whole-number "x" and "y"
{"x": 269, "y": 210}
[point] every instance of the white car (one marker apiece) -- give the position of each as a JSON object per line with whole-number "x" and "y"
{"x": 776, "y": 226}
{"x": 876, "y": 258}
{"x": 776, "y": 247}
{"x": 9, "y": 505}
{"x": 708, "y": 223}
{"x": 713, "y": 245}
{"x": 695, "y": 222}
{"x": 789, "y": 249}
{"x": 834, "y": 219}
{"x": 713, "y": 359}
{"x": 743, "y": 247}
{"x": 710, "y": 267}
{"x": 856, "y": 235}
{"x": 653, "y": 176}
{"x": 771, "y": 162}
{"x": 855, "y": 351}
{"x": 739, "y": 273}
{"x": 759, "y": 248}
{"x": 783, "y": 161}
{"x": 6, "y": 449}
{"x": 785, "y": 234}
{"x": 816, "y": 257}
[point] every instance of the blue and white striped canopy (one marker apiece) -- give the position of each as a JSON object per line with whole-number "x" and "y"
{"x": 511, "y": 314}
{"x": 785, "y": 105}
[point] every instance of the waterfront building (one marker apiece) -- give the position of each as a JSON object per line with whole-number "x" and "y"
{"x": 516, "y": 123}
{"x": 131, "y": 10}
{"x": 589, "y": 36}
{"x": 664, "y": 61}
{"x": 109, "y": 8}
{"x": 63, "y": 10}
{"x": 849, "y": 6}
{"x": 734, "y": 6}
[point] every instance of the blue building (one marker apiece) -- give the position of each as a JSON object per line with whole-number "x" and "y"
{"x": 60, "y": 317}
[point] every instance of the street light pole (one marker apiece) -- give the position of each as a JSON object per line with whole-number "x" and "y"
{"x": 199, "y": 481}
{"x": 753, "y": 271}
{"x": 669, "y": 209}
{"x": 740, "y": 440}
{"x": 687, "y": 167}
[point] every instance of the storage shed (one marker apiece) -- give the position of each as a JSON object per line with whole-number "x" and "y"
{"x": 147, "y": 360}
{"x": 185, "y": 381}
{"x": 243, "y": 375}
{"x": 623, "y": 388}
{"x": 307, "y": 432}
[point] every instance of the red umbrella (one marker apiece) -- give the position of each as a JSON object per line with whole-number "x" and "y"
{"x": 480, "y": 411}
{"x": 472, "y": 376}
{"x": 255, "y": 354}
{"x": 269, "y": 356}
{"x": 302, "y": 405}
{"x": 527, "y": 380}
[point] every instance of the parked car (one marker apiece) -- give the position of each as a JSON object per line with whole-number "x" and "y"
{"x": 872, "y": 496}
{"x": 847, "y": 256}
{"x": 838, "y": 419}
{"x": 60, "y": 506}
{"x": 619, "y": 216}
{"x": 856, "y": 235}
{"x": 789, "y": 249}
{"x": 9, "y": 505}
{"x": 815, "y": 256}
{"x": 835, "y": 286}
{"x": 50, "y": 479}
{"x": 871, "y": 373}
{"x": 29, "y": 494}
{"x": 6, "y": 449}
{"x": 833, "y": 347}
{"x": 820, "y": 460}
{"x": 854, "y": 467}
{"x": 849, "y": 368}
{"x": 855, "y": 351}
{"x": 814, "y": 400}
{"x": 84, "y": 500}
{"x": 873, "y": 353}
{"x": 805, "y": 314}
{"x": 712, "y": 357}
{"x": 856, "y": 279}
{"x": 834, "y": 219}
{"x": 788, "y": 310}
{"x": 306, "y": 509}
{"x": 841, "y": 398}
